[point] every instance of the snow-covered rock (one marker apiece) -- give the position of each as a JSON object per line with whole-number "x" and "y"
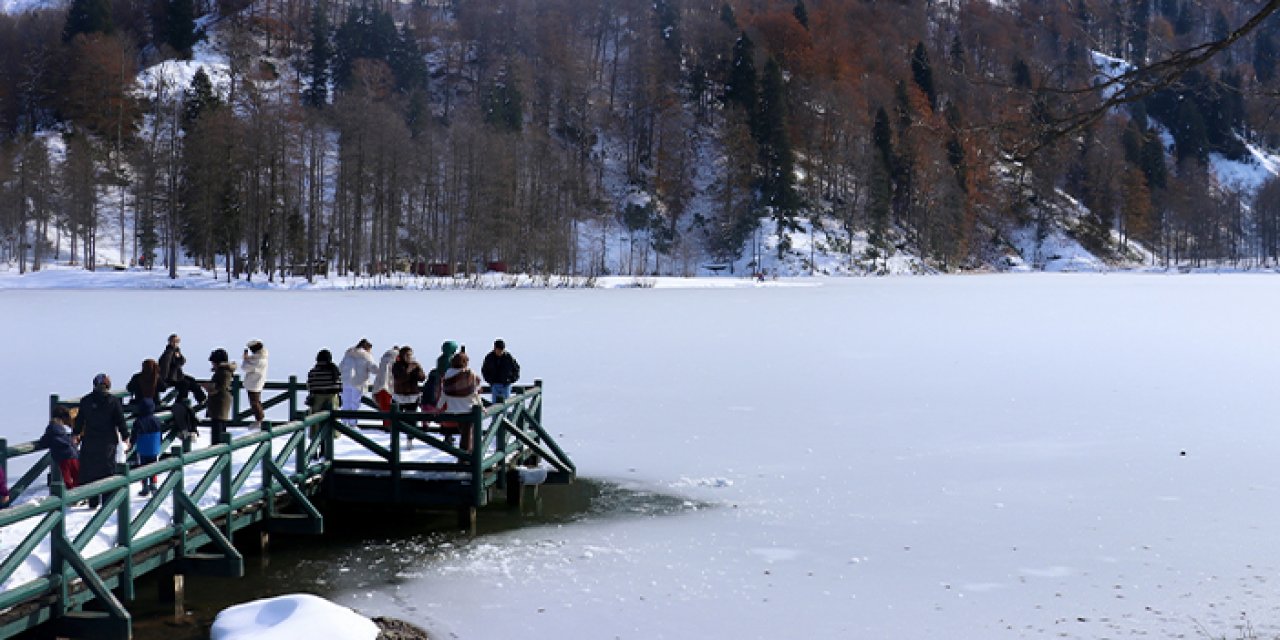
{"x": 300, "y": 616}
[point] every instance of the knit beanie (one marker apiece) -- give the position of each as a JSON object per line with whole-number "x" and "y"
{"x": 446, "y": 356}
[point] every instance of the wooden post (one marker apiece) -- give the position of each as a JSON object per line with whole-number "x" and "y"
{"x": 467, "y": 520}
{"x": 396, "y": 491}
{"x": 268, "y": 488}
{"x": 236, "y": 385}
{"x": 4, "y": 460}
{"x": 515, "y": 490}
{"x": 264, "y": 541}
{"x": 57, "y": 565}
{"x": 477, "y": 456}
{"x": 179, "y": 598}
{"x": 293, "y": 398}
{"x": 537, "y": 414}
{"x": 124, "y": 538}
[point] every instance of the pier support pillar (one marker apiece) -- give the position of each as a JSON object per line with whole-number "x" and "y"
{"x": 515, "y": 490}
{"x": 467, "y": 520}
{"x": 179, "y": 597}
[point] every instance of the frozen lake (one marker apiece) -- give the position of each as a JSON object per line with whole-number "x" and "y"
{"x": 964, "y": 457}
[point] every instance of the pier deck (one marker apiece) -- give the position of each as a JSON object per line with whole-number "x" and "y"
{"x": 57, "y": 553}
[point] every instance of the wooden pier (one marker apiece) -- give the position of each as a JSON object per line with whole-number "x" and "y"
{"x": 58, "y": 555}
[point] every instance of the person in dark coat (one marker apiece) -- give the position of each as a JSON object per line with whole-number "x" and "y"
{"x": 171, "y": 374}
{"x": 219, "y": 408}
{"x": 146, "y": 440}
{"x": 145, "y": 384}
{"x": 62, "y": 447}
{"x": 324, "y": 384}
{"x": 100, "y": 426}
{"x": 500, "y": 370}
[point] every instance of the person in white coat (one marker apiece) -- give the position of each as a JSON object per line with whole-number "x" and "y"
{"x": 254, "y": 366}
{"x": 382, "y": 381}
{"x": 357, "y": 367}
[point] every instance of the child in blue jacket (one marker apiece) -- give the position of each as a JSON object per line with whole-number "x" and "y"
{"x": 146, "y": 439}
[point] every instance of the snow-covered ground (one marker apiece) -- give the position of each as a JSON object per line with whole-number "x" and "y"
{"x": 958, "y": 457}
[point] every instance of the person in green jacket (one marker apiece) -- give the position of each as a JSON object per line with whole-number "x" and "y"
{"x": 446, "y": 356}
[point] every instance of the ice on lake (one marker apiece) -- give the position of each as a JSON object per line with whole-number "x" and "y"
{"x": 963, "y": 457}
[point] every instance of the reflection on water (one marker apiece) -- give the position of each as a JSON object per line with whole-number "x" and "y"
{"x": 369, "y": 548}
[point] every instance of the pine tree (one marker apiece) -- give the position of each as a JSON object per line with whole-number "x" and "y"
{"x": 728, "y": 17}
{"x": 1152, "y": 162}
{"x": 1264, "y": 58}
{"x": 668, "y": 19}
{"x": 777, "y": 161}
{"x": 180, "y": 24}
{"x": 407, "y": 63}
{"x": 956, "y": 55}
{"x": 880, "y": 180}
{"x": 87, "y": 16}
{"x": 1139, "y": 35}
{"x": 1021, "y": 74}
{"x": 316, "y": 94}
{"x": 198, "y": 99}
{"x": 801, "y": 13}
{"x": 1190, "y": 133}
{"x": 922, "y": 72}
{"x": 503, "y": 105}
{"x": 741, "y": 90}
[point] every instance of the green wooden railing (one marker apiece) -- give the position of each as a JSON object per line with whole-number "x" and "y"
{"x": 292, "y": 460}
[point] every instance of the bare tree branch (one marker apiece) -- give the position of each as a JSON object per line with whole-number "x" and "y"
{"x": 1130, "y": 87}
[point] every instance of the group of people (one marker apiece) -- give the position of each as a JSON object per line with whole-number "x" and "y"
{"x": 451, "y": 386}
{"x": 84, "y": 442}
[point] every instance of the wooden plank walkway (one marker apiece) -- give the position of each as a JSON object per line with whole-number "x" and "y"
{"x": 56, "y": 554}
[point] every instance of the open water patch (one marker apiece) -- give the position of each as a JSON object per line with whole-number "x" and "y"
{"x": 370, "y": 549}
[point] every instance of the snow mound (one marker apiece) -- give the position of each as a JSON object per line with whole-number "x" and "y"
{"x": 1109, "y": 68}
{"x": 1248, "y": 175}
{"x": 1055, "y": 252}
{"x": 299, "y": 616}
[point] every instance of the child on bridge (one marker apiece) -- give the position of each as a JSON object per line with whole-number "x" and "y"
{"x": 62, "y": 447}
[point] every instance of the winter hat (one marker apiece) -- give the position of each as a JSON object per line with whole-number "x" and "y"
{"x": 219, "y": 356}
{"x": 324, "y": 357}
{"x": 101, "y": 381}
{"x": 446, "y": 356}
